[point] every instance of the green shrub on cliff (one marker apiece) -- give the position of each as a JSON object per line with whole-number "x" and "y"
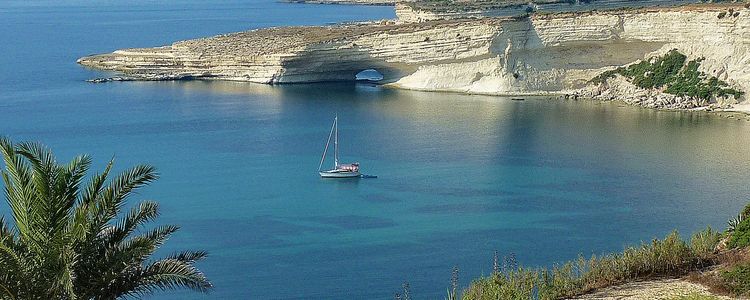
{"x": 741, "y": 235}
{"x": 601, "y": 78}
{"x": 656, "y": 74}
{"x": 693, "y": 83}
{"x": 653, "y": 73}
{"x": 671, "y": 73}
{"x": 737, "y": 279}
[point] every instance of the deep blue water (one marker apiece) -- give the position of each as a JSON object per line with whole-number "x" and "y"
{"x": 460, "y": 176}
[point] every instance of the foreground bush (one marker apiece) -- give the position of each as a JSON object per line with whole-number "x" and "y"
{"x": 737, "y": 279}
{"x": 741, "y": 235}
{"x": 64, "y": 242}
{"x": 671, "y": 256}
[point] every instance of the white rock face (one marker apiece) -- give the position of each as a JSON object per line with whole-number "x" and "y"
{"x": 556, "y": 53}
{"x": 482, "y": 76}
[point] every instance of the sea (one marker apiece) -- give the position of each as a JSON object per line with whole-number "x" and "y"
{"x": 460, "y": 177}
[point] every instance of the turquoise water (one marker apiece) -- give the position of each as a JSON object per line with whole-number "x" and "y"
{"x": 459, "y": 176}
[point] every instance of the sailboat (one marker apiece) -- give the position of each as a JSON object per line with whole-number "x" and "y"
{"x": 339, "y": 170}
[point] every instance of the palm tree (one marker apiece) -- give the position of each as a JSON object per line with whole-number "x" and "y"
{"x": 68, "y": 240}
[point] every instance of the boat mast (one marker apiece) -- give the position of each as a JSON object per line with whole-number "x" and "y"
{"x": 336, "y": 143}
{"x": 328, "y": 142}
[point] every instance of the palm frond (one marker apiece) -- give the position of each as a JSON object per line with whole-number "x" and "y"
{"x": 71, "y": 179}
{"x": 189, "y": 256}
{"x": 11, "y": 263}
{"x": 114, "y": 195}
{"x": 44, "y": 171}
{"x": 68, "y": 274}
{"x": 7, "y": 233}
{"x": 144, "y": 212}
{"x": 154, "y": 238}
{"x": 172, "y": 274}
{"x": 136, "y": 249}
{"x": 85, "y": 210}
{"x": 17, "y": 185}
{"x": 65, "y": 196}
{"x": 164, "y": 274}
{"x": 13, "y": 273}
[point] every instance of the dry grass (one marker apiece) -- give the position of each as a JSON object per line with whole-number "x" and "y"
{"x": 670, "y": 257}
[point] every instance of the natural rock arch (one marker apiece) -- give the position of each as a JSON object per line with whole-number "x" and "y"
{"x": 371, "y": 75}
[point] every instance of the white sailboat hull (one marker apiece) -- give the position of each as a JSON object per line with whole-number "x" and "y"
{"x": 339, "y": 174}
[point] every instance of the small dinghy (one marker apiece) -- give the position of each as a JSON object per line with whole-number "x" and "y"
{"x": 339, "y": 170}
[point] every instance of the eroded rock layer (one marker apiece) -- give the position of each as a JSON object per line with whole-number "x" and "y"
{"x": 538, "y": 54}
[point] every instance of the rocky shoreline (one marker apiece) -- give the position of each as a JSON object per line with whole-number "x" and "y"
{"x": 620, "y": 89}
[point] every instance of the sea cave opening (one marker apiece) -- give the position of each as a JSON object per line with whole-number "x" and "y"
{"x": 370, "y": 75}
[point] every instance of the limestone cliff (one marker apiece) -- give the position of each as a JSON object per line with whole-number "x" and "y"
{"x": 544, "y": 53}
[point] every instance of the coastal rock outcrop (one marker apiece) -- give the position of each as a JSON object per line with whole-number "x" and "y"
{"x": 307, "y": 54}
{"x": 543, "y": 53}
